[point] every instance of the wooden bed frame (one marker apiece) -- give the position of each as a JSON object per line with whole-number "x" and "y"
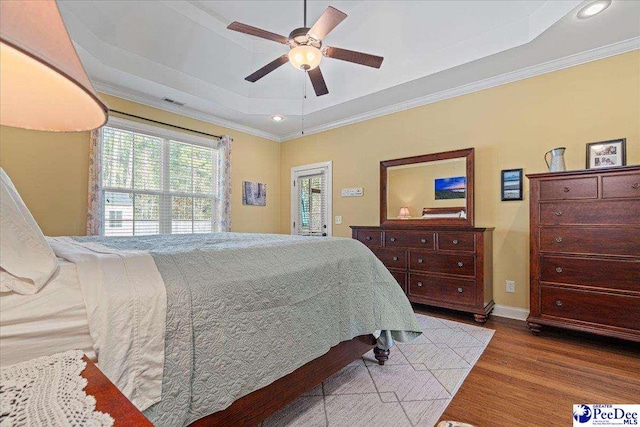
{"x": 257, "y": 406}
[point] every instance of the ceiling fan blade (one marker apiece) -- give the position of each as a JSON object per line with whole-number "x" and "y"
{"x": 353, "y": 56}
{"x": 248, "y": 29}
{"x": 267, "y": 69}
{"x": 317, "y": 81}
{"x": 327, "y": 22}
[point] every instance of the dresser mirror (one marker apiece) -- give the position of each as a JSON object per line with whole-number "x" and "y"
{"x": 432, "y": 189}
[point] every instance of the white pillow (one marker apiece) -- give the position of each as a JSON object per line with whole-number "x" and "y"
{"x": 26, "y": 259}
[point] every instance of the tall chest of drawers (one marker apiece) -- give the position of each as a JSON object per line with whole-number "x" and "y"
{"x": 585, "y": 251}
{"x": 445, "y": 267}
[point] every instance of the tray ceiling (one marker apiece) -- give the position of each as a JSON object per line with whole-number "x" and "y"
{"x": 148, "y": 50}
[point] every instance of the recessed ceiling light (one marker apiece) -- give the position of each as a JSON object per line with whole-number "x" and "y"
{"x": 277, "y": 118}
{"x": 593, "y": 8}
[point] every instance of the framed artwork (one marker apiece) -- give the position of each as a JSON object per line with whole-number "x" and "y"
{"x": 607, "y": 154}
{"x": 511, "y": 184}
{"x": 451, "y": 188}
{"x": 254, "y": 193}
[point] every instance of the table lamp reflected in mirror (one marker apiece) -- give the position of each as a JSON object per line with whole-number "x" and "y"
{"x": 404, "y": 213}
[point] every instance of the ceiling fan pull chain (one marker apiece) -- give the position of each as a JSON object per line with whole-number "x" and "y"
{"x": 304, "y": 93}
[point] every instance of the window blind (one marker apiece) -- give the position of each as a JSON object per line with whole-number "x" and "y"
{"x": 312, "y": 202}
{"x": 155, "y": 185}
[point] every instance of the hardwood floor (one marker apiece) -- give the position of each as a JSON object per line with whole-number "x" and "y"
{"x": 529, "y": 381}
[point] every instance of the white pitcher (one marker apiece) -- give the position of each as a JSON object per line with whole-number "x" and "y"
{"x": 557, "y": 160}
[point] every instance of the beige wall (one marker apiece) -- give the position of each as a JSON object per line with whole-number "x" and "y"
{"x": 510, "y": 126}
{"x": 50, "y": 170}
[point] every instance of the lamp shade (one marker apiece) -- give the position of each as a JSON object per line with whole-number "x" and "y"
{"x": 404, "y": 213}
{"x": 43, "y": 85}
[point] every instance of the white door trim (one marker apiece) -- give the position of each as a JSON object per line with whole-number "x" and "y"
{"x": 299, "y": 170}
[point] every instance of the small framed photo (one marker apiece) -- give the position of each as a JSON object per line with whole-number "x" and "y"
{"x": 511, "y": 184}
{"x": 607, "y": 154}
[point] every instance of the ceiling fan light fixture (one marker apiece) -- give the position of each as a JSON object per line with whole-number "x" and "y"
{"x": 305, "y": 57}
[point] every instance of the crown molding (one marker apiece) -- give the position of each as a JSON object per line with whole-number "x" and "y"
{"x": 525, "y": 73}
{"x": 141, "y": 98}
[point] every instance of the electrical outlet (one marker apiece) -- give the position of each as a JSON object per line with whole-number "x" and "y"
{"x": 338, "y": 219}
{"x": 511, "y": 286}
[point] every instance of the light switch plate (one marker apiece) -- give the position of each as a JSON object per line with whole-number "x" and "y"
{"x": 352, "y": 192}
{"x": 338, "y": 219}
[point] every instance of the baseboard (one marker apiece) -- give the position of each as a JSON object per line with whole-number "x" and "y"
{"x": 510, "y": 312}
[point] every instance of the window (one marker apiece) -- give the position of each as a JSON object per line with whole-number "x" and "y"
{"x": 156, "y": 181}
{"x": 311, "y": 199}
{"x": 115, "y": 219}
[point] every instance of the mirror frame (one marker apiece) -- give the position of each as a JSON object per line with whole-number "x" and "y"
{"x": 467, "y": 154}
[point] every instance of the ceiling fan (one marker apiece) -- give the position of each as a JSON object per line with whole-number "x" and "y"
{"x": 306, "y": 50}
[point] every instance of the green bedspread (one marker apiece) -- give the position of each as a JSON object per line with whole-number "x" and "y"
{"x": 246, "y": 309}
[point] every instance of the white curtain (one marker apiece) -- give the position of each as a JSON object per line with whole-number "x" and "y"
{"x": 95, "y": 204}
{"x": 224, "y": 183}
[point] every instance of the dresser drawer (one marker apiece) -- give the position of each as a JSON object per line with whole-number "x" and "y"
{"x": 624, "y": 186}
{"x": 591, "y": 240}
{"x": 369, "y": 237}
{"x": 456, "y": 241}
{"x": 450, "y": 290}
{"x": 401, "y": 278}
{"x": 569, "y": 188}
{"x": 595, "y": 307}
{"x": 625, "y": 212}
{"x": 612, "y": 274}
{"x": 392, "y": 258}
{"x": 414, "y": 239}
{"x": 463, "y": 265}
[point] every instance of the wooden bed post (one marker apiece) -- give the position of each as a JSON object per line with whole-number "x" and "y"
{"x": 381, "y": 355}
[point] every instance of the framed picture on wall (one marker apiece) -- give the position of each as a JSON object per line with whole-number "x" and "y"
{"x": 511, "y": 184}
{"x": 254, "y": 193}
{"x": 607, "y": 154}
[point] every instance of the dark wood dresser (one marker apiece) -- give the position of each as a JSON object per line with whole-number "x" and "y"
{"x": 585, "y": 251}
{"x": 448, "y": 267}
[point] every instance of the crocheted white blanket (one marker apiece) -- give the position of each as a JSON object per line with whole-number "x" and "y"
{"x": 48, "y": 391}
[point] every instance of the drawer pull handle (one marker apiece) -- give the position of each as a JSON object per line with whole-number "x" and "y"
{"x": 460, "y": 290}
{"x": 419, "y": 284}
{"x": 559, "y": 213}
{"x": 393, "y": 239}
{"x": 636, "y": 185}
{"x": 559, "y": 303}
{"x": 423, "y": 240}
{"x": 559, "y": 269}
{"x": 460, "y": 264}
{"x": 420, "y": 260}
{"x": 559, "y": 239}
{"x": 368, "y": 237}
{"x": 565, "y": 189}
{"x": 455, "y": 242}
{"x": 395, "y": 258}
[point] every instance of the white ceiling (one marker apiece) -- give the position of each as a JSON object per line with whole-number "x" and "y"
{"x": 147, "y": 50}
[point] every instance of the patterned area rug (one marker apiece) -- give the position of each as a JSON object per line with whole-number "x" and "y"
{"x": 412, "y": 389}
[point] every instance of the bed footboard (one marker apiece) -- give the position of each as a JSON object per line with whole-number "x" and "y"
{"x": 255, "y": 407}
